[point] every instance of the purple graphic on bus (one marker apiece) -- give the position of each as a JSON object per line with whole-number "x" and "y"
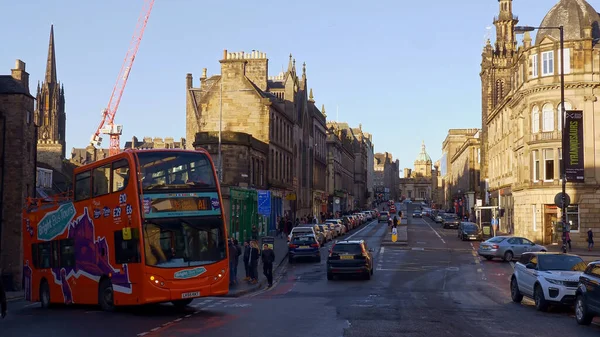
{"x": 27, "y": 280}
{"x": 92, "y": 259}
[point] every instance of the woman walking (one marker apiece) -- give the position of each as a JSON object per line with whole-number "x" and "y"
{"x": 590, "y": 239}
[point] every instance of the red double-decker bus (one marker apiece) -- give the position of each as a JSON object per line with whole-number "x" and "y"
{"x": 144, "y": 226}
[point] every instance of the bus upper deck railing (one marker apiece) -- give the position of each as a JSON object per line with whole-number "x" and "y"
{"x": 33, "y": 204}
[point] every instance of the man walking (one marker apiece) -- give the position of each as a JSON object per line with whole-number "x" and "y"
{"x": 268, "y": 257}
{"x": 246, "y": 259}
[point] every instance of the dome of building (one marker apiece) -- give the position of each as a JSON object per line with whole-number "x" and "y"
{"x": 423, "y": 156}
{"x": 574, "y": 15}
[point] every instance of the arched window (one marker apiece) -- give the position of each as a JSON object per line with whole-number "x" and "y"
{"x": 547, "y": 118}
{"x": 568, "y": 106}
{"x": 535, "y": 120}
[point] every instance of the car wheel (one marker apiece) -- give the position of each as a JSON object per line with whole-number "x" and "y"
{"x": 290, "y": 260}
{"x": 489, "y": 258}
{"x": 508, "y": 256}
{"x": 515, "y": 294}
{"x": 540, "y": 300}
{"x": 543, "y": 251}
{"x": 581, "y": 313}
{"x": 318, "y": 259}
{"x": 106, "y": 295}
{"x": 45, "y": 295}
{"x": 367, "y": 276}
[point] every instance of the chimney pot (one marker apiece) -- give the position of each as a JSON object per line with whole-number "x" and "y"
{"x": 20, "y": 65}
{"x": 225, "y": 54}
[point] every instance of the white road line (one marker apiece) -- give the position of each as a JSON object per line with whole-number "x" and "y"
{"x": 512, "y": 264}
{"x": 360, "y": 231}
{"x": 381, "y": 250}
{"x": 436, "y": 233}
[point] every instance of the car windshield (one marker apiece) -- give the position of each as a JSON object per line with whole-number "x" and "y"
{"x": 303, "y": 240}
{"x": 347, "y": 249}
{"x": 450, "y": 216}
{"x": 470, "y": 227}
{"x": 560, "y": 262}
{"x": 177, "y": 242}
{"x": 176, "y": 170}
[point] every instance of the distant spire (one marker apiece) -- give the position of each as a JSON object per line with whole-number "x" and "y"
{"x": 290, "y": 63}
{"x": 311, "y": 98}
{"x": 51, "y": 63}
{"x": 323, "y": 110}
{"x": 423, "y": 147}
{"x": 304, "y": 69}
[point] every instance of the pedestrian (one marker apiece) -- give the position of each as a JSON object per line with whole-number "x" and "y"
{"x": 472, "y": 217}
{"x": 254, "y": 233}
{"x": 2, "y": 300}
{"x": 590, "y": 239}
{"x": 280, "y": 227}
{"x": 568, "y": 238}
{"x": 232, "y": 262}
{"x": 254, "y": 256}
{"x": 239, "y": 251}
{"x": 246, "y": 259}
{"x": 268, "y": 258}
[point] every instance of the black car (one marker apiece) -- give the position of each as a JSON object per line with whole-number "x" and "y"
{"x": 469, "y": 231}
{"x": 304, "y": 246}
{"x": 450, "y": 221}
{"x": 350, "y": 257}
{"x": 587, "y": 300}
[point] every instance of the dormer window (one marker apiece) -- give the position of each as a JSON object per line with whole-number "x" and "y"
{"x": 548, "y": 63}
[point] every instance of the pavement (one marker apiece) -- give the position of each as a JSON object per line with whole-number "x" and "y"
{"x": 280, "y": 248}
{"x": 434, "y": 286}
{"x": 586, "y": 255}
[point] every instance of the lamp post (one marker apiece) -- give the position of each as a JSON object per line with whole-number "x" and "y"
{"x": 563, "y": 206}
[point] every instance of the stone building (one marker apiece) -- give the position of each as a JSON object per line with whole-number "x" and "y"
{"x": 521, "y": 123}
{"x": 17, "y": 168}
{"x": 463, "y": 182}
{"x": 148, "y": 143}
{"x": 370, "y": 163}
{"x": 347, "y": 168}
{"x": 386, "y": 177}
{"x": 243, "y": 99}
{"x": 454, "y": 140}
{"x": 319, "y": 164}
{"x": 419, "y": 184}
{"x": 334, "y": 171}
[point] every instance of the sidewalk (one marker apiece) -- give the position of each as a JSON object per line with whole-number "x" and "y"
{"x": 243, "y": 288}
{"x": 583, "y": 252}
{"x": 12, "y": 296}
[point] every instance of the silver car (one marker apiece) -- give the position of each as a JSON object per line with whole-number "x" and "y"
{"x": 507, "y": 247}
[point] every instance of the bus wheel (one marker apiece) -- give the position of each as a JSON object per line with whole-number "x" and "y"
{"x": 180, "y": 304}
{"x": 45, "y": 294}
{"x": 106, "y": 295}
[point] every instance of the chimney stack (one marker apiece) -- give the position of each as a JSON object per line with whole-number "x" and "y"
{"x": 19, "y": 74}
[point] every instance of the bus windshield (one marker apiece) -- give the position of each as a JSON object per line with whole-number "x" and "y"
{"x": 184, "y": 242}
{"x": 175, "y": 170}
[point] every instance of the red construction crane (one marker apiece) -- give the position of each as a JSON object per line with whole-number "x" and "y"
{"x": 107, "y": 125}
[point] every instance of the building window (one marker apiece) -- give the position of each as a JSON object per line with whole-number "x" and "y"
{"x": 534, "y": 65}
{"x": 533, "y": 218}
{"x": 548, "y": 63}
{"x": 559, "y": 116}
{"x": 548, "y": 164}
{"x": 101, "y": 182}
{"x": 547, "y": 118}
{"x": 44, "y": 178}
{"x": 536, "y": 165}
{"x": 567, "y": 53}
{"x": 535, "y": 120}
{"x": 573, "y": 217}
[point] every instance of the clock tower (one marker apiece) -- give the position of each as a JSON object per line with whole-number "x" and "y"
{"x": 50, "y": 114}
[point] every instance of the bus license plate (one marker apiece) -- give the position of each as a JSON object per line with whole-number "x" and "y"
{"x": 190, "y": 295}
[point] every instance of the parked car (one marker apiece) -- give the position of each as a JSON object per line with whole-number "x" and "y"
{"x": 325, "y": 229}
{"x": 507, "y": 247}
{"x": 547, "y": 278}
{"x": 350, "y": 257}
{"x": 304, "y": 246}
{"x": 320, "y": 235}
{"x": 587, "y": 295}
{"x": 305, "y": 229}
{"x": 469, "y": 231}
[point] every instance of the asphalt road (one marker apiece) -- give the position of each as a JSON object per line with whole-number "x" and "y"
{"x": 434, "y": 286}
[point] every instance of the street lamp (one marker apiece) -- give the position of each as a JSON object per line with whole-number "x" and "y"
{"x": 521, "y": 30}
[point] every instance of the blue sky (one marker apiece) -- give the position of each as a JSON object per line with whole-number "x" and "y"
{"x": 407, "y": 70}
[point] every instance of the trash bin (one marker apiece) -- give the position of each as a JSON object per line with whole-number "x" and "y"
{"x": 269, "y": 240}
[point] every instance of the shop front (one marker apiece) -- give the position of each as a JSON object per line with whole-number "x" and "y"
{"x": 319, "y": 203}
{"x": 243, "y": 213}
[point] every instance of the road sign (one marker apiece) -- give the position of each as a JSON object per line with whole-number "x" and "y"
{"x": 264, "y": 202}
{"x": 558, "y": 200}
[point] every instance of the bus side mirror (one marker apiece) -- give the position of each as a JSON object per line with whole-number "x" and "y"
{"x": 126, "y": 232}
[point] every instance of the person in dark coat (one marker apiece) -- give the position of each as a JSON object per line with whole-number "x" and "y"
{"x": 233, "y": 259}
{"x": 254, "y": 233}
{"x": 254, "y": 256}
{"x": 2, "y": 300}
{"x": 590, "y": 239}
{"x": 246, "y": 259}
{"x": 268, "y": 258}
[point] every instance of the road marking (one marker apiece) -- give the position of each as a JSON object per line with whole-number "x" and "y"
{"x": 31, "y": 305}
{"x": 360, "y": 231}
{"x": 479, "y": 270}
{"x": 477, "y": 261}
{"x": 381, "y": 250}
{"x": 436, "y": 233}
{"x": 474, "y": 253}
{"x": 512, "y": 264}
{"x": 417, "y": 248}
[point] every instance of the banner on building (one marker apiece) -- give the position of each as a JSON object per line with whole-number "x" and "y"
{"x": 573, "y": 149}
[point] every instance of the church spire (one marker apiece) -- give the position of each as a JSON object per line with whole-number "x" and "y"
{"x": 51, "y": 63}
